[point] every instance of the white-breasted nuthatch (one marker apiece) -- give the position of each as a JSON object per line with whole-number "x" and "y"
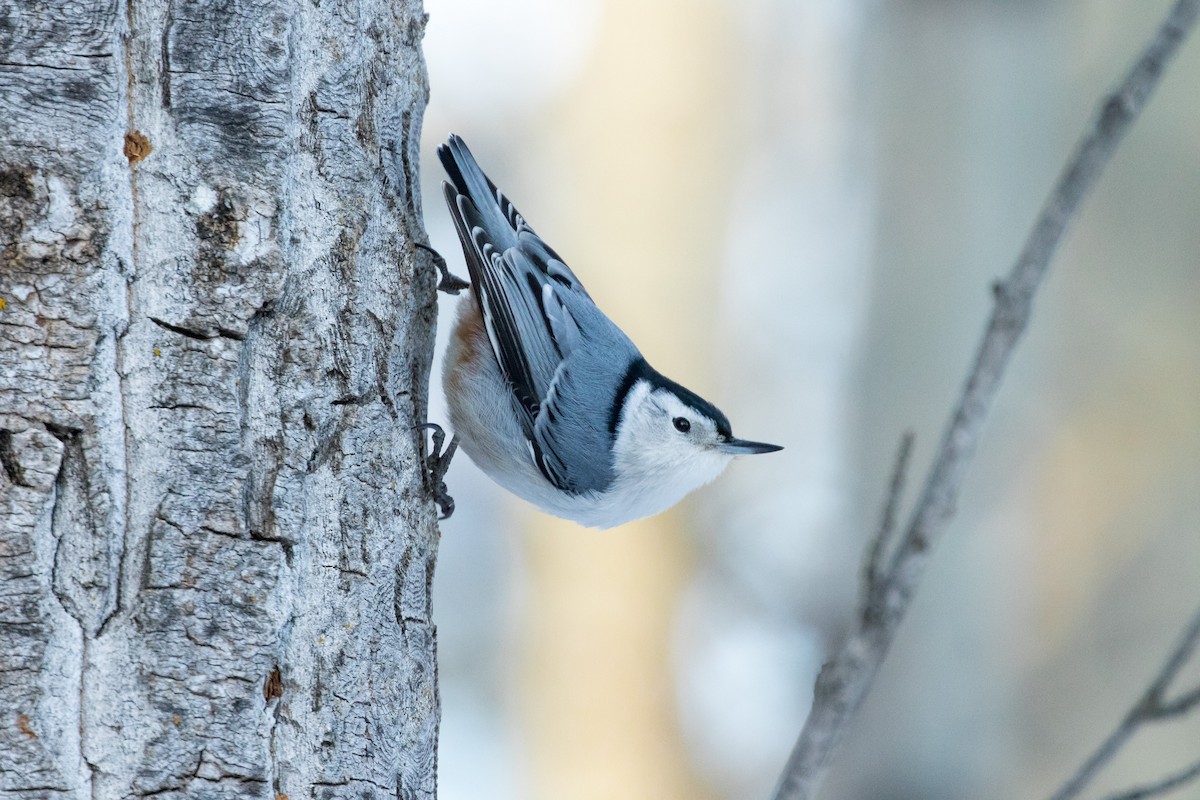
{"x": 546, "y": 394}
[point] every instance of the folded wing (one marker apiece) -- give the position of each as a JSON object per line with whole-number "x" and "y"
{"x": 526, "y": 294}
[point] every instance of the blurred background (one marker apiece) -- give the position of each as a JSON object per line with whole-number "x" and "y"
{"x": 796, "y": 208}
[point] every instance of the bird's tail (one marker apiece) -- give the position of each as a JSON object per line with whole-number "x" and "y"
{"x": 500, "y": 218}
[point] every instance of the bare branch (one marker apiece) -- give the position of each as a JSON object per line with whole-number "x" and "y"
{"x": 1150, "y": 707}
{"x": 1180, "y": 656}
{"x": 1180, "y": 705}
{"x": 1167, "y": 784}
{"x": 873, "y": 579}
{"x": 845, "y": 680}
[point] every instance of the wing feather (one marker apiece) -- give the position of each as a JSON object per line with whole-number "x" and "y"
{"x": 526, "y": 293}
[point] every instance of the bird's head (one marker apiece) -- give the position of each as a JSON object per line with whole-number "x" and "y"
{"x": 668, "y": 434}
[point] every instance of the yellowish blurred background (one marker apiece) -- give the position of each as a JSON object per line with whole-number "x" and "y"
{"x": 796, "y": 208}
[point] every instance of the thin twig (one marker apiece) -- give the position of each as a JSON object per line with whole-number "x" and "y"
{"x": 873, "y": 579}
{"x": 1181, "y": 705}
{"x": 845, "y": 680}
{"x": 1167, "y": 784}
{"x": 1150, "y": 707}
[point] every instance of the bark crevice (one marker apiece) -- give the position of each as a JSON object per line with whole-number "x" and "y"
{"x": 174, "y": 463}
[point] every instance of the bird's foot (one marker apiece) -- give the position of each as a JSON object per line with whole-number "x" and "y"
{"x": 450, "y": 283}
{"x": 436, "y": 464}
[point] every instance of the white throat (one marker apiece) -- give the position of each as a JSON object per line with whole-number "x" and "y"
{"x": 655, "y": 467}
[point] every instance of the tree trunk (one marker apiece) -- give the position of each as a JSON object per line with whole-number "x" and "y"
{"x": 216, "y": 542}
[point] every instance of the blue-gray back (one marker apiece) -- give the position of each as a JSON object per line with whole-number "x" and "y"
{"x": 564, "y": 361}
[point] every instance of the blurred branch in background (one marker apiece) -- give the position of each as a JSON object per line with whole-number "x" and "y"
{"x": 1152, "y": 707}
{"x": 874, "y": 581}
{"x": 844, "y": 682}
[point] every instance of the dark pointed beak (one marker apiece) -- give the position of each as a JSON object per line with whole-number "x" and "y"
{"x": 744, "y": 447}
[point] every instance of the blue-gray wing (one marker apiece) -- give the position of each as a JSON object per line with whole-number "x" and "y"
{"x": 572, "y": 439}
{"x": 557, "y": 352}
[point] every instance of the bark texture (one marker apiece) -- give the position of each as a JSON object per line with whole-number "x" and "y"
{"x": 216, "y": 541}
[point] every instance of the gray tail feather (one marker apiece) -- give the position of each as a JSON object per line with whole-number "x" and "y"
{"x": 468, "y": 179}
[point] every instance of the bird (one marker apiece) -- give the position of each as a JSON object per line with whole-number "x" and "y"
{"x": 546, "y": 395}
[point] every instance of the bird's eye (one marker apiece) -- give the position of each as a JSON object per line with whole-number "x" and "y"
{"x": 681, "y": 424}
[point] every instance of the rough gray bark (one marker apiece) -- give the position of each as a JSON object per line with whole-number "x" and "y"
{"x": 216, "y": 541}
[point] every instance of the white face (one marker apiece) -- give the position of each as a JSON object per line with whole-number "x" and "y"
{"x": 665, "y": 444}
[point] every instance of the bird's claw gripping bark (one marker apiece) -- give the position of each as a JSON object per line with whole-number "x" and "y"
{"x": 436, "y": 464}
{"x": 450, "y": 283}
